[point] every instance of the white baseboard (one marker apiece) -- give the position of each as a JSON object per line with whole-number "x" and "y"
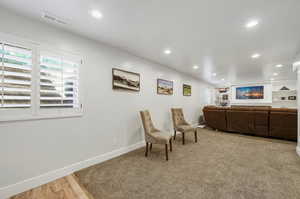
{"x": 8, "y": 191}
{"x": 298, "y": 150}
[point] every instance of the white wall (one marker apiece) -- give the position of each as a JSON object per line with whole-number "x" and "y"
{"x": 298, "y": 100}
{"x": 291, "y": 84}
{"x": 111, "y": 120}
{"x": 296, "y": 70}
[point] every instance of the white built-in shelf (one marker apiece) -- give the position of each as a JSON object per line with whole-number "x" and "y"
{"x": 285, "y": 91}
{"x": 284, "y": 100}
{"x": 277, "y": 95}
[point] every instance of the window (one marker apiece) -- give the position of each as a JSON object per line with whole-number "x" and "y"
{"x": 58, "y": 82}
{"x": 37, "y": 84}
{"x": 16, "y": 66}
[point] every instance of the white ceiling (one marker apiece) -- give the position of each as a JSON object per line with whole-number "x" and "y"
{"x": 207, "y": 33}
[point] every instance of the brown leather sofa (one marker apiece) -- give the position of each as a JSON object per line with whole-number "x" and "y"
{"x": 258, "y": 121}
{"x": 253, "y": 121}
{"x": 215, "y": 117}
{"x": 283, "y": 123}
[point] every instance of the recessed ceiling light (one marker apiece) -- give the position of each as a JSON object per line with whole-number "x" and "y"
{"x": 251, "y": 24}
{"x": 272, "y": 79}
{"x": 255, "y": 56}
{"x": 275, "y": 74}
{"x": 214, "y": 74}
{"x": 96, "y": 14}
{"x": 167, "y": 51}
{"x": 279, "y": 65}
{"x": 223, "y": 79}
{"x": 195, "y": 67}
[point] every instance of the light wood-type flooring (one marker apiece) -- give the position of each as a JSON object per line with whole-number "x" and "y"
{"x": 63, "y": 188}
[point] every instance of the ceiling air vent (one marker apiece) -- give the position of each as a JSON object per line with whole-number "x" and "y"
{"x": 54, "y": 19}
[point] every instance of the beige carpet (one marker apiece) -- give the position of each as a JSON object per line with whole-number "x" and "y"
{"x": 220, "y": 165}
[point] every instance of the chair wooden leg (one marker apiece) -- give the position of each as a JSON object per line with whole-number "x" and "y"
{"x": 174, "y": 134}
{"x": 196, "y": 138}
{"x": 171, "y": 145}
{"x": 166, "y": 146}
{"x": 150, "y": 147}
{"x": 146, "y": 153}
{"x": 183, "y": 141}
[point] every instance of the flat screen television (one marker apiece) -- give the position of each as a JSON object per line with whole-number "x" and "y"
{"x": 250, "y": 92}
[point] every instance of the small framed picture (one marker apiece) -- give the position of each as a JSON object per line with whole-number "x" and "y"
{"x": 187, "y": 90}
{"x": 224, "y": 97}
{"x": 125, "y": 80}
{"x": 164, "y": 87}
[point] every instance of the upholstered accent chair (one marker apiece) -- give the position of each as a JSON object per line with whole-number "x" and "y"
{"x": 153, "y": 135}
{"x": 181, "y": 125}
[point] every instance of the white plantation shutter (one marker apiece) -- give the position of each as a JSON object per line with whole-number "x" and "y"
{"x": 15, "y": 76}
{"x": 35, "y": 83}
{"x": 59, "y": 81}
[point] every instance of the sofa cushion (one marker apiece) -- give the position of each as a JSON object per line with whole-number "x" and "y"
{"x": 283, "y": 124}
{"x": 241, "y": 120}
{"x": 216, "y": 118}
{"x": 185, "y": 128}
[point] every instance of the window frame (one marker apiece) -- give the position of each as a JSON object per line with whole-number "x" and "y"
{"x": 35, "y": 112}
{"x": 59, "y": 111}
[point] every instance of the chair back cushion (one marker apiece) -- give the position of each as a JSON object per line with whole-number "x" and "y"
{"x": 178, "y": 117}
{"x": 147, "y": 122}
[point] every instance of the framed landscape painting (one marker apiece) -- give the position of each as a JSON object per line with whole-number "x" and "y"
{"x": 164, "y": 87}
{"x": 125, "y": 80}
{"x": 250, "y": 92}
{"x": 187, "y": 90}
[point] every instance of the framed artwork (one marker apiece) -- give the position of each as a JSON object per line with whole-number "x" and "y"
{"x": 125, "y": 80}
{"x": 225, "y": 97}
{"x": 187, "y": 90}
{"x": 164, "y": 87}
{"x": 250, "y": 92}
